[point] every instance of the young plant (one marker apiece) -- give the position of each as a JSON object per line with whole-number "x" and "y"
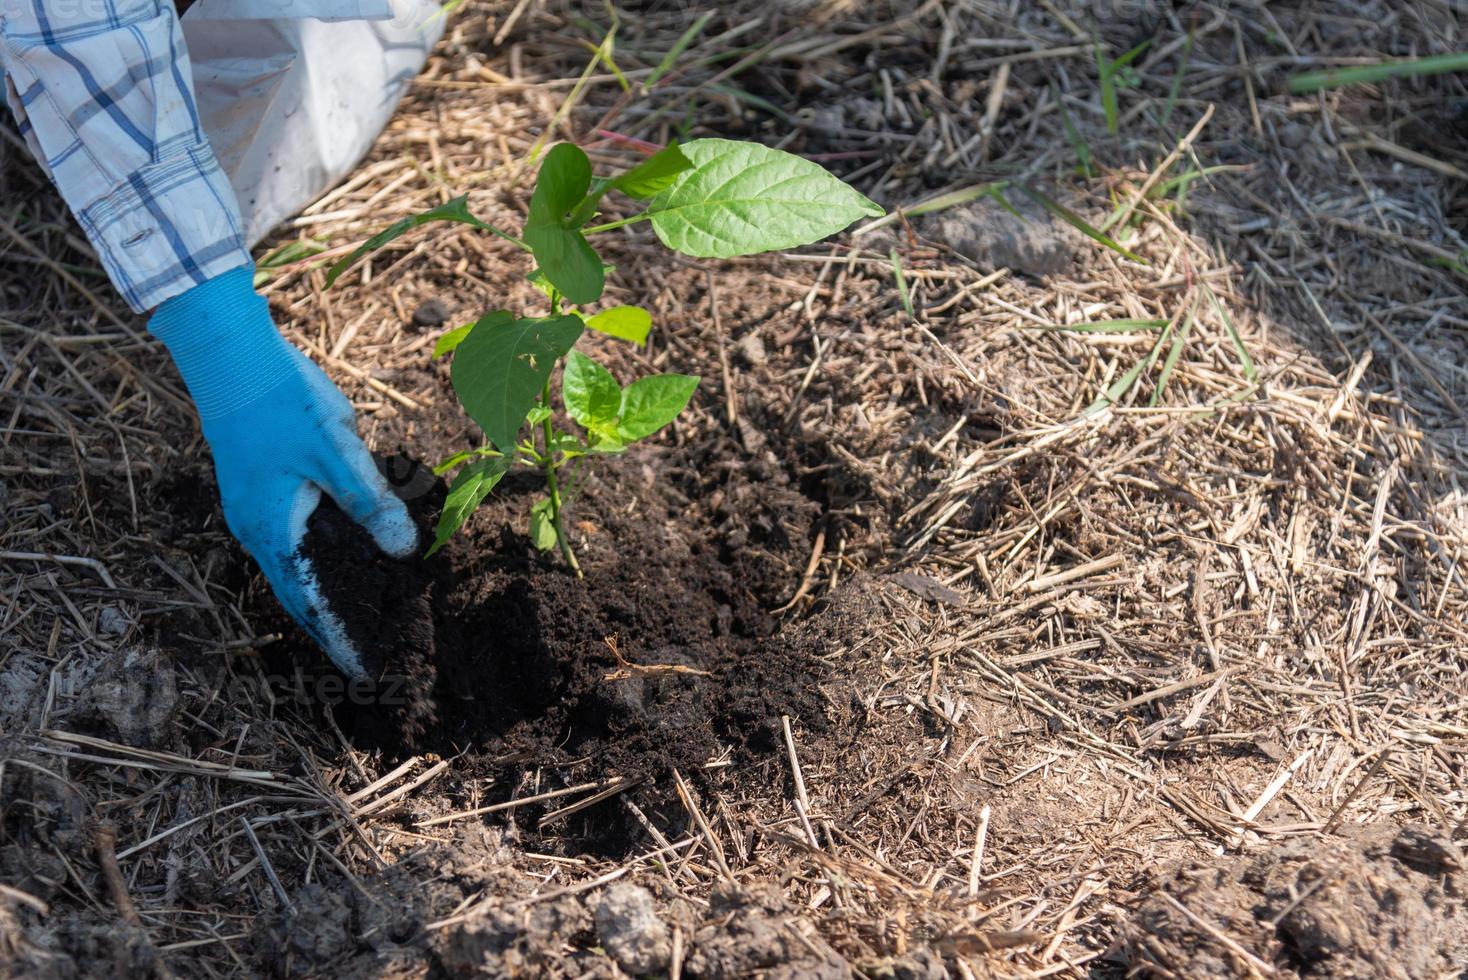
{"x": 708, "y": 198}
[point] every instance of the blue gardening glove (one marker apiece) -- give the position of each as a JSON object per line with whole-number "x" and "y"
{"x": 281, "y": 433}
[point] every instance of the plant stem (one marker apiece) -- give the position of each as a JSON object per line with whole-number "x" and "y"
{"x": 549, "y": 464}
{"x": 616, "y": 224}
{"x": 547, "y": 429}
{"x": 518, "y": 243}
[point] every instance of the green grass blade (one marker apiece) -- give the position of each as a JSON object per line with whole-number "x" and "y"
{"x": 1108, "y": 91}
{"x": 749, "y": 98}
{"x": 902, "y": 284}
{"x": 676, "y": 51}
{"x": 1175, "y": 89}
{"x": 1122, "y": 385}
{"x": 1078, "y": 143}
{"x": 1107, "y": 70}
{"x": 287, "y": 254}
{"x": 1244, "y": 359}
{"x": 1360, "y": 74}
{"x": 603, "y": 50}
{"x": 1179, "y": 341}
{"x": 456, "y": 210}
{"x": 1080, "y": 224}
{"x": 606, "y": 58}
{"x": 1182, "y": 181}
{"x": 948, "y": 199}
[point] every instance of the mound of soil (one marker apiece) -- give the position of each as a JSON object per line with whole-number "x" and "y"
{"x": 375, "y": 929}
{"x": 664, "y": 657}
{"x": 1387, "y": 902}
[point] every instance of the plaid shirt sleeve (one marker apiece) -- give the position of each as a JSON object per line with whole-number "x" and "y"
{"x": 103, "y": 93}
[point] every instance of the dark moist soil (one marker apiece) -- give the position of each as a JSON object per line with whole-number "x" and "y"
{"x": 665, "y": 656}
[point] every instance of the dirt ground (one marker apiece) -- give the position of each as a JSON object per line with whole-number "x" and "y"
{"x": 945, "y": 636}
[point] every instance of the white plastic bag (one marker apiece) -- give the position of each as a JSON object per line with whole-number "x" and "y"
{"x": 292, "y": 104}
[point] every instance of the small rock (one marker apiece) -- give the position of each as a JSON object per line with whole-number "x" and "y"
{"x": 827, "y": 120}
{"x": 22, "y": 687}
{"x": 430, "y": 313}
{"x": 1292, "y": 134}
{"x": 928, "y": 587}
{"x": 1034, "y": 243}
{"x": 136, "y": 694}
{"x": 867, "y": 114}
{"x": 34, "y": 870}
{"x": 630, "y": 930}
{"x": 315, "y": 932}
{"x": 1427, "y": 850}
{"x": 924, "y": 964}
{"x": 113, "y": 621}
{"x": 751, "y": 932}
{"x": 751, "y": 347}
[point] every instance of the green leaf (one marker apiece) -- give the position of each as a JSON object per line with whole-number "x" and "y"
{"x": 538, "y": 414}
{"x": 655, "y": 174}
{"x": 564, "y": 179}
{"x": 607, "y": 442}
{"x": 456, "y": 336}
{"x": 290, "y": 252}
{"x": 590, "y": 393}
{"x": 564, "y": 255}
{"x": 469, "y": 489}
{"x": 650, "y": 403}
{"x": 542, "y": 527}
{"x": 540, "y": 282}
{"x": 568, "y": 261}
{"x": 742, "y": 198}
{"x": 623, "y": 322}
{"x": 501, "y": 367}
{"x": 455, "y": 210}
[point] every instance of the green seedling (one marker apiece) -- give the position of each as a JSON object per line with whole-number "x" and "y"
{"x": 709, "y": 198}
{"x": 1116, "y": 73}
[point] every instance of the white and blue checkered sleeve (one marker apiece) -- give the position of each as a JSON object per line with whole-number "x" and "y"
{"x": 103, "y": 92}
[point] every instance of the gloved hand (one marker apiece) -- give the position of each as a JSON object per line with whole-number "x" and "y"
{"x": 281, "y": 433}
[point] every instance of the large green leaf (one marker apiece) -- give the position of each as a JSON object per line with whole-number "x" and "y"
{"x": 455, "y": 210}
{"x": 450, "y": 341}
{"x": 570, "y": 263}
{"x": 742, "y": 198}
{"x": 650, "y": 403}
{"x": 553, "y": 233}
{"x": 654, "y": 174}
{"x": 501, "y": 367}
{"x": 469, "y": 489}
{"x": 564, "y": 178}
{"x": 590, "y": 393}
{"x": 623, "y": 322}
